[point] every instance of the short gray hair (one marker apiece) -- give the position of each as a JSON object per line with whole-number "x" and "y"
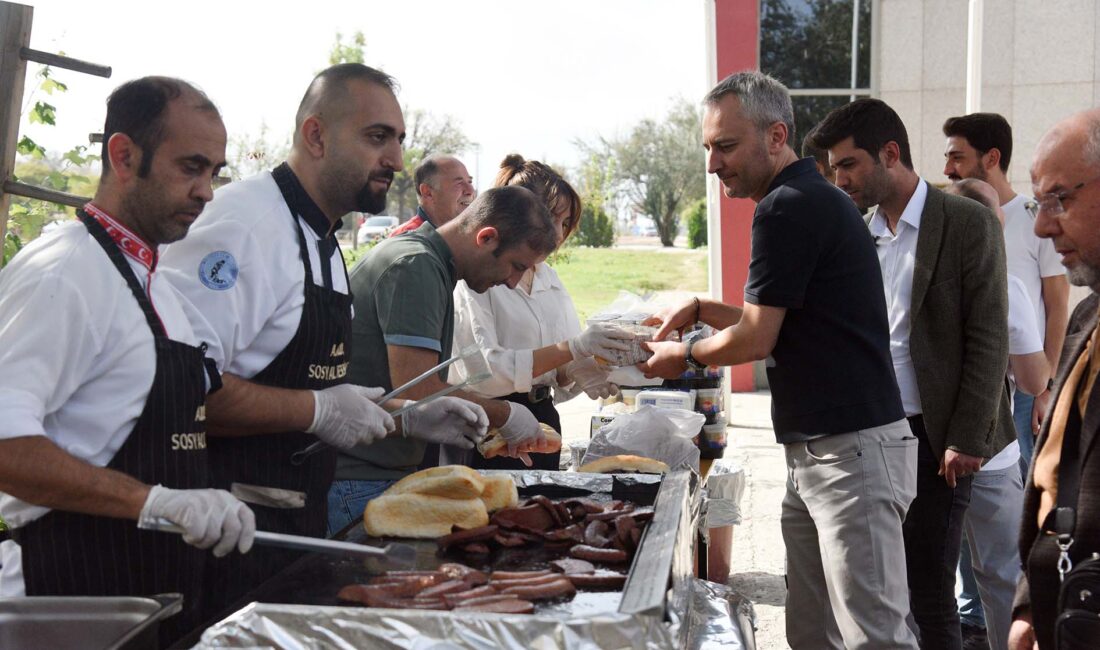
{"x": 1092, "y": 145}
{"x": 763, "y": 99}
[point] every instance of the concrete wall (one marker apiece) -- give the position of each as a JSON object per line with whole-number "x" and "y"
{"x": 1040, "y": 62}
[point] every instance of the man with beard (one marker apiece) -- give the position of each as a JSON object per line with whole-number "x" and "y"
{"x": 943, "y": 267}
{"x": 268, "y": 291}
{"x": 815, "y": 309}
{"x": 1065, "y": 181}
{"x": 443, "y": 189}
{"x": 404, "y": 325}
{"x": 102, "y": 392}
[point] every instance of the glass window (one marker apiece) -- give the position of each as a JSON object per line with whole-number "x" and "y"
{"x": 808, "y": 43}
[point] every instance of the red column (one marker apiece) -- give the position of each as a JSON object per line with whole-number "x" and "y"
{"x": 737, "y": 42}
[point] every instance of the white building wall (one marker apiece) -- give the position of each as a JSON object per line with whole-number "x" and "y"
{"x": 1040, "y": 63}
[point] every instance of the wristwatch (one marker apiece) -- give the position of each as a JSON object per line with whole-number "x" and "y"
{"x": 691, "y": 360}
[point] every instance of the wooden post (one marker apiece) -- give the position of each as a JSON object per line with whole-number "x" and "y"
{"x": 15, "y": 34}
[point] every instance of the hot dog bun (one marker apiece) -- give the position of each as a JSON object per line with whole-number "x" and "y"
{"x": 493, "y": 444}
{"x": 500, "y": 492}
{"x": 624, "y": 464}
{"x": 452, "y": 481}
{"x": 422, "y": 516}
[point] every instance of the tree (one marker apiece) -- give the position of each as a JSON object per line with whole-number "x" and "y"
{"x": 661, "y": 166}
{"x": 596, "y": 187}
{"x": 696, "y": 217}
{"x": 72, "y": 171}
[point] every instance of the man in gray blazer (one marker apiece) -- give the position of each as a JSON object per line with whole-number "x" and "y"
{"x": 943, "y": 268}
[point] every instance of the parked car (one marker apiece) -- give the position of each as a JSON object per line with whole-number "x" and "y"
{"x": 645, "y": 227}
{"x": 376, "y": 228}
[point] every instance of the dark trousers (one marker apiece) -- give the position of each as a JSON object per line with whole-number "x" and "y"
{"x": 933, "y": 539}
{"x": 545, "y": 412}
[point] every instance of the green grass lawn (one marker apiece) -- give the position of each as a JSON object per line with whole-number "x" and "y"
{"x": 594, "y": 276}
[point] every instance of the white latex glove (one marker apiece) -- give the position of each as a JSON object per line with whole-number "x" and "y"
{"x": 448, "y": 421}
{"x": 522, "y": 432}
{"x": 346, "y": 415}
{"x": 208, "y": 517}
{"x": 598, "y": 339}
{"x": 590, "y": 377}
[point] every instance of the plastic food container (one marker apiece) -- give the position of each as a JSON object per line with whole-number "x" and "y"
{"x": 667, "y": 399}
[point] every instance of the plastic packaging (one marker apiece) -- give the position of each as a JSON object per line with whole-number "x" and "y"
{"x": 666, "y": 399}
{"x": 661, "y": 434}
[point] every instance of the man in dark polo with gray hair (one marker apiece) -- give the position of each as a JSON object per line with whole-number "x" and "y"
{"x": 815, "y": 309}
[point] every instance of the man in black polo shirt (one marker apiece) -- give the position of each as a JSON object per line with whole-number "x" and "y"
{"x": 815, "y": 309}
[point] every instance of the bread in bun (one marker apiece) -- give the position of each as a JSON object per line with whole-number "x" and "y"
{"x": 452, "y": 481}
{"x": 421, "y": 516}
{"x": 623, "y": 464}
{"x": 500, "y": 492}
{"x": 494, "y": 444}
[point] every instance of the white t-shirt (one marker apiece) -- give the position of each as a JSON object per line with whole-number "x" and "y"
{"x": 1024, "y": 337}
{"x": 1030, "y": 258}
{"x": 240, "y": 269}
{"x": 509, "y": 325}
{"x": 77, "y": 356}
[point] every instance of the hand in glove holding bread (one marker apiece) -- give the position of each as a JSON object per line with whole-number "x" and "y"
{"x": 523, "y": 434}
{"x": 598, "y": 340}
{"x": 591, "y": 378}
{"x": 208, "y": 517}
{"x": 346, "y": 415}
{"x": 448, "y": 421}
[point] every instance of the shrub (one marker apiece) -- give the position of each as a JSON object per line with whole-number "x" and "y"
{"x": 695, "y": 215}
{"x": 596, "y": 228}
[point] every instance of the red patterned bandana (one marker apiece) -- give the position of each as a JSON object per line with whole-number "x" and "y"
{"x": 127, "y": 241}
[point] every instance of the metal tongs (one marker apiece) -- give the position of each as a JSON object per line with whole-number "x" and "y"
{"x": 402, "y": 554}
{"x": 476, "y": 370}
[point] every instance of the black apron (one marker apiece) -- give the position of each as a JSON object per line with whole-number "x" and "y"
{"x": 546, "y": 413}
{"x": 72, "y": 554}
{"x": 316, "y": 358}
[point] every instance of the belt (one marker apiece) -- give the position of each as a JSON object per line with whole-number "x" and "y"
{"x": 539, "y": 394}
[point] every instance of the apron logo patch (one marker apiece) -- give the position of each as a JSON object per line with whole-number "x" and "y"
{"x": 188, "y": 441}
{"x": 218, "y": 271}
{"x": 337, "y": 350}
{"x": 200, "y": 414}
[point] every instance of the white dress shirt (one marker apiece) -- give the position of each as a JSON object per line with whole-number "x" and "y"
{"x": 509, "y": 325}
{"x": 252, "y": 313}
{"x": 897, "y": 253}
{"x": 77, "y": 356}
{"x": 1029, "y": 258}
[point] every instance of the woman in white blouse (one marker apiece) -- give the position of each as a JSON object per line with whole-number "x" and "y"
{"x": 528, "y": 332}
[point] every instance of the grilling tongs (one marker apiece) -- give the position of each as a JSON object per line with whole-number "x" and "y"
{"x": 396, "y": 553}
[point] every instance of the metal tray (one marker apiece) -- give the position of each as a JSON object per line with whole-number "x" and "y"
{"x": 300, "y": 602}
{"x": 87, "y": 623}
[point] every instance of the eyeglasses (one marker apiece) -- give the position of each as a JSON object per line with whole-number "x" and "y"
{"x": 1051, "y": 203}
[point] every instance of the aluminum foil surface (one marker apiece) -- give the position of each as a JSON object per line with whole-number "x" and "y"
{"x": 725, "y": 485}
{"x": 719, "y": 617}
{"x": 301, "y": 627}
{"x": 576, "y": 480}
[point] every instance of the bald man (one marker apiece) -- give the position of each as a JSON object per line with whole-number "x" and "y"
{"x": 443, "y": 189}
{"x": 268, "y": 293}
{"x": 1064, "y": 180}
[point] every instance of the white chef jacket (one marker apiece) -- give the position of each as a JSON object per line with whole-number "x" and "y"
{"x": 897, "y": 253}
{"x": 249, "y": 310}
{"x": 1029, "y": 258}
{"x": 77, "y": 355}
{"x": 509, "y": 325}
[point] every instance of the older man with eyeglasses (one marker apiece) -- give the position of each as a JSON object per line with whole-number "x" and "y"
{"x": 1062, "y": 494}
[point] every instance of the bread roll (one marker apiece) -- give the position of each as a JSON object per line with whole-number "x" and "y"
{"x": 623, "y": 464}
{"x": 494, "y": 444}
{"x": 500, "y": 492}
{"x": 422, "y": 516}
{"x": 452, "y": 481}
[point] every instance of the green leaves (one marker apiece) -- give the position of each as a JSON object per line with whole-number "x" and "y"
{"x": 29, "y": 147}
{"x": 43, "y": 113}
{"x": 49, "y": 86}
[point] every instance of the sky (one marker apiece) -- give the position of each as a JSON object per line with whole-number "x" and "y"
{"x": 523, "y": 76}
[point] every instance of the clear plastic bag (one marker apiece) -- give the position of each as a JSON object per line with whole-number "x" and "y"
{"x": 661, "y": 434}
